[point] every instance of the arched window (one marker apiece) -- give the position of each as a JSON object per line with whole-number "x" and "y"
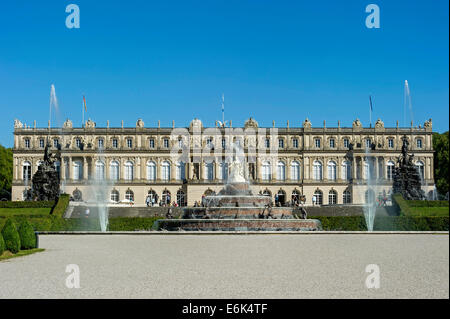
{"x": 209, "y": 169}
{"x": 347, "y": 197}
{"x": 346, "y": 170}
{"x": 266, "y": 171}
{"x": 280, "y": 198}
{"x": 153, "y": 197}
{"x": 165, "y": 171}
{"x": 26, "y": 171}
{"x": 295, "y": 196}
{"x": 281, "y": 171}
{"x": 114, "y": 170}
{"x": 166, "y": 198}
{"x": 180, "y": 171}
{"x": 295, "y": 171}
{"x": 390, "y": 170}
{"x": 151, "y": 171}
{"x": 181, "y": 198}
{"x": 129, "y": 195}
{"x": 77, "y": 170}
{"x": 332, "y": 197}
{"x": 420, "y": 168}
{"x": 317, "y": 170}
{"x": 129, "y": 171}
{"x": 267, "y": 193}
{"x": 223, "y": 170}
{"x": 99, "y": 170}
{"x": 331, "y": 170}
{"x": 115, "y": 196}
{"x": 319, "y": 197}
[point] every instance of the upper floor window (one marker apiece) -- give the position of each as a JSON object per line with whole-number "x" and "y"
{"x": 115, "y": 143}
{"x": 346, "y": 143}
{"x": 129, "y": 142}
{"x": 317, "y": 142}
{"x": 166, "y": 143}
{"x": 100, "y": 143}
{"x": 223, "y": 143}
{"x": 280, "y": 143}
{"x": 391, "y": 143}
{"x": 317, "y": 170}
{"x": 180, "y": 143}
{"x": 419, "y": 143}
{"x": 368, "y": 143}
{"x": 151, "y": 143}
{"x": 78, "y": 142}
{"x": 55, "y": 143}
{"x": 41, "y": 143}
{"x": 332, "y": 143}
{"x": 209, "y": 142}
{"x": 295, "y": 143}
{"x": 267, "y": 143}
{"x": 27, "y": 143}
{"x": 26, "y": 171}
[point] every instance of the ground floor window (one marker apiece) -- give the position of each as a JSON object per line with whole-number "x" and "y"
{"x": 332, "y": 197}
{"x": 347, "y": 197}
{"x": 129, "y": 195}
{"x": 115, "y": 196}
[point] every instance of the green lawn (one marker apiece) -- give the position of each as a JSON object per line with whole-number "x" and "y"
{"x": 7, "y": 254}
{"x": 7, "y": 212}
{"x": 429, "y": 211}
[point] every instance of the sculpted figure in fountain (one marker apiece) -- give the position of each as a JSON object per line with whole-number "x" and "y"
{"x": 237, "y": 169}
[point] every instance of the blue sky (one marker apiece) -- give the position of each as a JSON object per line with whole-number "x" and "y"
{"x": 274, "y": 60}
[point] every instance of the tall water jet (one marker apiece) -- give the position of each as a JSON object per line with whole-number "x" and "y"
{"x": 370, "y": 207}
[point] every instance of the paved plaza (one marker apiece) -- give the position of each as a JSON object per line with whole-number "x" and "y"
{"x": 232, "y": 266}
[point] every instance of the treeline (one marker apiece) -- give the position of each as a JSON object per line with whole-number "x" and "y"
{"x": 6, "y": 172}
{"x": 441, "y": 162}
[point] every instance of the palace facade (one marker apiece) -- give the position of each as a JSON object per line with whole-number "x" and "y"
{"x": 333, "y": 164}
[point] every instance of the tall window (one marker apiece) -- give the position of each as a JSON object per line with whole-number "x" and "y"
{"x": 129, "y": 195}
{"x": 223, "y": 143}
{"x": 347, "y": 197}
{"x": 317, "y": 170}
{"x": 100, "y": 143}
{"x": 209, "y": 142}
{"x": 181, "y": 198}
{"x": 332, "y": 197}
{"x": 317, "y": 142}
{"x": 267, "y": 143}
{"x": 99, "y": 170}
{"x": 331, "y": 170}
{"x": 115, "y": 143}
{"x": 346, "y": 170}
{"x": 78, "y": 142}
{"x": 151, "y": 171}
{"x": 41, "y": 143}
{"x": 27, "y": 171}
{"x": 391, "y": 143}
{"x": 368, "y": 143}
{"x": 332, "y": 143}
{"x": 180, "y": 173}
{"x": 281, "y": 171}
{"x": 419, "y": 143}
{"x": 114, "y": 196}
{"x": 346, "y": 143}
{"x": 319, "y": 197}
{"x": 55, "y": 143}
{"x": 114, "y": 171}
{"x": 295, "y": 171}
{"x": 420, "y": 169}
{"x": 295, "y": 143}
{"x": 27, "y": 143}
{"x": 266, "y": 171}
{"x": 77, "y": 170}
{"x": 151, "y": 143}
{"x": 280, "y": 143}
{"x": 390, "y": 170}
{"x": 166, "y": 143}
{"x": 367, "y": 170}
{"x": 209, "y": 167}
{"x": 165, "y": 171}
{"x": 180, "y": 143}
{"x": 129, "y": 170}
{"x": 129, "y": 142}
{"x": 223, "y": 169}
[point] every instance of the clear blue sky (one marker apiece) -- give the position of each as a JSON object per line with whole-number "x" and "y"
{"x": 274, "y": 60}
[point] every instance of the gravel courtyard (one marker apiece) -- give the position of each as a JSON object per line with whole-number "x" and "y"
{"x": 231, "y": 266}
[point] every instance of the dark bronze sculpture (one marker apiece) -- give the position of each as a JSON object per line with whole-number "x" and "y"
{"x": 45, "y": 182}
{"x": 407, "y": 180}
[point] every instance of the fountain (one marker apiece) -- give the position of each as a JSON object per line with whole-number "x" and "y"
{"x": 235, "y": 208}
{"x": 407, "y": 179}
{"x": 370, "y": 207}
{"x": 45, "y": 182}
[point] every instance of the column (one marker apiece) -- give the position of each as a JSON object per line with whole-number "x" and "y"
{"x": 107, "y": 177}
{"x": 158, "y": 169}
{"x": 143, "y": 167}
{"x": 377, "y": 171}
{"x": 288, "y": 170}
{"x": 63, "y": 168}
{"x": 216, "y": 171}
{"x": 70, "y": 168}
{"x": 355, "y": 168}
{"x": 85, "y": 168}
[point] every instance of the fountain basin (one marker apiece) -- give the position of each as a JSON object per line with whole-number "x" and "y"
{"x": 235, "y": 212}
{"x": 238, "y": 224}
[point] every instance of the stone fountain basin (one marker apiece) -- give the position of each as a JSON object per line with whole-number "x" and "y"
{"x": 237, "y": 200}
{"x": 235, "y": 212}
{"x": 238, "y": 225}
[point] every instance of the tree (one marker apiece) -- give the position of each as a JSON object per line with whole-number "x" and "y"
{"x": 11, "y": 237}
{"x": 441, "y": 162}
{"x": 6, "y": 170}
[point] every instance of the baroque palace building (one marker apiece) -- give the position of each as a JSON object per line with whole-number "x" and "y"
{"x": 332, "y": 163}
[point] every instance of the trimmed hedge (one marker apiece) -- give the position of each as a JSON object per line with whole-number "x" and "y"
{"x": 428, "y": 203}
{"x": 386, "y": 223}
{"x": 2, "y": 244}
{"x": 11, "y": 236}
{"x": 61, "y": 205}
{"x": 27, "y": 204}
{"x": 27, "y": 236}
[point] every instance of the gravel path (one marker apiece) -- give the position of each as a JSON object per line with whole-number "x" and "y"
{"x": 231, "y": 266}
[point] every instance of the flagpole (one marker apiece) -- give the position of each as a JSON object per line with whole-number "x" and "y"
{"x": 370, "y": 110}
{"x": 82, "y": 109}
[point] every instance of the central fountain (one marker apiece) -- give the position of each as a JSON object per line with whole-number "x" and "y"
{"x": 235, "y": 208}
